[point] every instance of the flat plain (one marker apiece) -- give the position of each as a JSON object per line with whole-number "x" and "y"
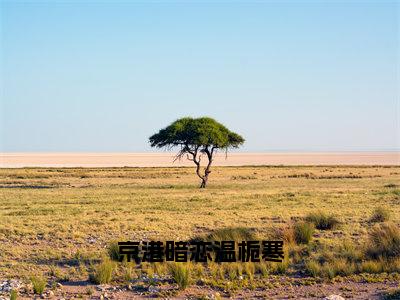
{"x": 165, "y": 159}
{"x": 57, "y": 224}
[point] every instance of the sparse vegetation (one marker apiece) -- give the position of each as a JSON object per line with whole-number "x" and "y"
{"x": 380, "y": 214}
{"x": 181, "y": 274}
{"x": 73, "y": 220}
{"x": 113, "y": 251}
{"x": 322, "y": 221}
{"x": 303, "y": 232}
{"x": 103, "y": 273}
{"x": 384, "y": 241}
{"x": 38, "y": 284}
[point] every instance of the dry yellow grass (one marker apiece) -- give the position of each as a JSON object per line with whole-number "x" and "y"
{"x": 60, "y": 217}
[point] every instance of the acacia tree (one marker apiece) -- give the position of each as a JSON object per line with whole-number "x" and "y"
{"x": 195, "y": 138}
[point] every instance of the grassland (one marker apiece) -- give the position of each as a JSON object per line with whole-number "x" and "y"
{"x": 58, "y": 223}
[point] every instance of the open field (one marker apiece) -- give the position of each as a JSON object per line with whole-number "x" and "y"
{"x": 97, "y": 160}
{"x": 56, "y": 223}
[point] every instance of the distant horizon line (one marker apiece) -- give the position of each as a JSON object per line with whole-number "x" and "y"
{"x": 220, "y": 151}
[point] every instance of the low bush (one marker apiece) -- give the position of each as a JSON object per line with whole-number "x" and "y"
{"x": 313, "y": 268}
{"x": 384, "y": 241}
{"x": 322, "y": 221}
{"x": 289, "y": 235}
{"x": 113, "y": 251}
{"x": 181, "y": 274}
{"x": 349, "y": 251}
{"x": 370, "y": 266}
{"x": 303, "y": 232}
{"x": 103, "y": 273}
{"x": 38, "y": 284}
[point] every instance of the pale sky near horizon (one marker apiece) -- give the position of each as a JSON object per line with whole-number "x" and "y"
{"x": 289, "y": 76}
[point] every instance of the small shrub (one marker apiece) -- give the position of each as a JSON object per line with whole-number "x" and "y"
{"x": 13, "y": 295}
{"x": 393, "y": 266}
{"x": 129, "y": 272}
{"x": 262, "y": 269}
{"x": 181, "y": 274}
{"x": 384, "y": 242}
{"x": 231, "y": 271}
{"x": 329, "y": 271}
{"x": 349, "y": 251}
{"x": 313, "y": 268}
{"x": 322, "y": 221}
{"x": 289, "y": 235}
{"x": 113, "y": 251}
{"x": 103, "y": 272}
{"x": 303, "y": 232}
{"x": 279, "y": 267}
{"x": 282, "y": 267}
{"x": 372, "y": 267}
{"x": 38, "y": 284}
{"x": 198, "y": 270}
{"x": 342, "y": 267}
{"x": 249, "y": 269}
{"x": 380, "y": 214}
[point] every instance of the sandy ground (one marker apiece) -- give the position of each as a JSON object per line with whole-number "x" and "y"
{"x": 17, "y": 160}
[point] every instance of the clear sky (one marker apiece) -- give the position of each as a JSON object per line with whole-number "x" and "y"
{"x": 293, "y": 76}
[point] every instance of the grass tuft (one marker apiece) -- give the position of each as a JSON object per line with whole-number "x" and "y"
{"x": 380, "y": 214}
{"x": 38, "y": 284}
{"x": 181, "y": 274}
{"x": 370, "y": 266}
{"x": 322, "y": 221}
{"x": 303, "y": 232}
{"x": 384, "y": 241}
{"x": 113, "y": 251}
{"x": 103, "y": 273}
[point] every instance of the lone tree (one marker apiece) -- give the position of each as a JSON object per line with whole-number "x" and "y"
{"x": 196, "y": 137}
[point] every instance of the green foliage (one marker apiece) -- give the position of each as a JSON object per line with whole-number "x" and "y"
{"x": 322, "y": 221}
{"x": 113, "y": 251}
{"x": 313, "y": 268}
{"x": 103, "y": 273}
{"x": 384, "y": 241}
{"x": 349, "y": 251}
{"x": 181, "y": 274}
{"x": 380, "y": 214}
{"x": 370, "y": 266}
{"x": 38, "y": 284}
{"x": 201, "y": 132}
{"x": 303, "y": 232}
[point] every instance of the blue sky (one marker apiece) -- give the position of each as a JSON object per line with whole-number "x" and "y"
{"x": 292, "y": 76}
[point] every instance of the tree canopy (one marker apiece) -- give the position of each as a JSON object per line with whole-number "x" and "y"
{"x": 191, "y": 132}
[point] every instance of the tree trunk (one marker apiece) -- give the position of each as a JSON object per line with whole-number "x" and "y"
{"x": 207, "y": 171}
{"x": 204, "y": 182}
